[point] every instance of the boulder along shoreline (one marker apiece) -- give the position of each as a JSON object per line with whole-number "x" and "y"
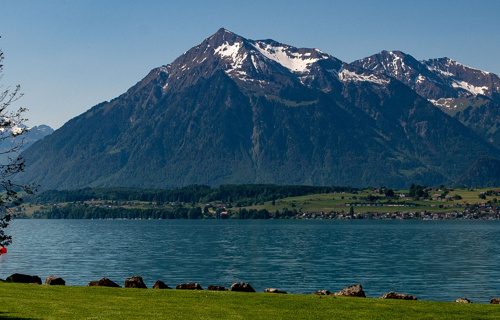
{"x": 355, "y": 290}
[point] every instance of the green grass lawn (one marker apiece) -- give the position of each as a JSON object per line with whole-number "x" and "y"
{"x": 23, "y": 301}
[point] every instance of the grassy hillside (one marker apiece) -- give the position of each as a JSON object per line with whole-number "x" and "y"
{"x": 338, "y": 201}
{"x": 24, "y": 301}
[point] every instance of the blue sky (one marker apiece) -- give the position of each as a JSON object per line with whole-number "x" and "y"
{"x": 70, "y": 55}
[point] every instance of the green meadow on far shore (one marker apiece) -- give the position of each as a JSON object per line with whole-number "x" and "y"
{"x": 27, "y": 301}
{"x": 337, "y": 201}
{"x": 453, "y": 199}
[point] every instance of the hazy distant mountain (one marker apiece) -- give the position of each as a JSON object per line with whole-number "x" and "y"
{"x": 36, "y": 133}
{"x": 235, "y": 110}
{"x": 23, "y": 141}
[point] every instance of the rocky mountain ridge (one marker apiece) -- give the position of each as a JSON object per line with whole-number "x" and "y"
{"x": 470, "y": 95}
{"x": 433, "y": 79}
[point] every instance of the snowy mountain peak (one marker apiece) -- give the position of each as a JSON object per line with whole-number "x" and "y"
{"x": 223, "y": 34}
{"x": 394, "y": 63}
{"x": 254, "y": 63}
{"x": 235, "y": 50}
{"x": 433, "y": 79}
{"x": 257, "y": 63}
{"x": 466, "y": 80}
{"x": 447, "y": 63}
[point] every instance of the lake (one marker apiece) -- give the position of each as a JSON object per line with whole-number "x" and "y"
{"x": 432, "y": 260}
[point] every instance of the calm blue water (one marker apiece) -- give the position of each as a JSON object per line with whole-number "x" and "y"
{"x": 433, "y": 260}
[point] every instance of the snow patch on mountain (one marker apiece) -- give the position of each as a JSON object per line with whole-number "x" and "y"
{"x": 293, "y": 61}
{"x": 442, "y": 102}
{"x": 227, "y": 50}
{"x": 346, "y": 75}
{"x": 397, "y": 63}
{"x": 233, "y": 54}
{"x": 469, "y": 87}
{"x": 433, "y": 68}
{"x": 420, "y": 78}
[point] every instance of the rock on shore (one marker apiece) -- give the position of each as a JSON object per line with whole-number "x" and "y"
{"x": 24, "y": 278}
{"x": 160, "y": 285}
{"x": 351, "y": 291}
{"x": 399, "y": 296}
{"x": 217, "y": 288}
{"x": 321, "y": 293}
{"x": 189, "y": 286}
{"x": 272, "y": 290}
{"x": 242, "y": 287}
{"x": 54, "y": 281}
{"x": 135, "y": 282}
{"x": 104, "y": 282}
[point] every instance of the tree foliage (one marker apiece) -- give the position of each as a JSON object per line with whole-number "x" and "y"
{"x": 11, "y": 126}
{"x": 240, "y": 195}
{"x": 417, "y": 191}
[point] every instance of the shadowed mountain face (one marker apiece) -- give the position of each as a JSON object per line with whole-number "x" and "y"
{"x": 234, "y": 110}
{"x": 484, "y": 172}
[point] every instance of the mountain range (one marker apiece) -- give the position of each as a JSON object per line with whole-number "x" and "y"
{"x": 22, "y": 141}
{"x": 235, "y": 110}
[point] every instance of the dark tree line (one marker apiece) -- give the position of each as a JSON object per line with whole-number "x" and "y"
{"x": 73, "y": 211}
{"x": 86, "y": 212}
{"x": 241, "y": 195}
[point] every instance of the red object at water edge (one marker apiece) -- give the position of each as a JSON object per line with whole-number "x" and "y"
{"x": 3, "y": 250}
